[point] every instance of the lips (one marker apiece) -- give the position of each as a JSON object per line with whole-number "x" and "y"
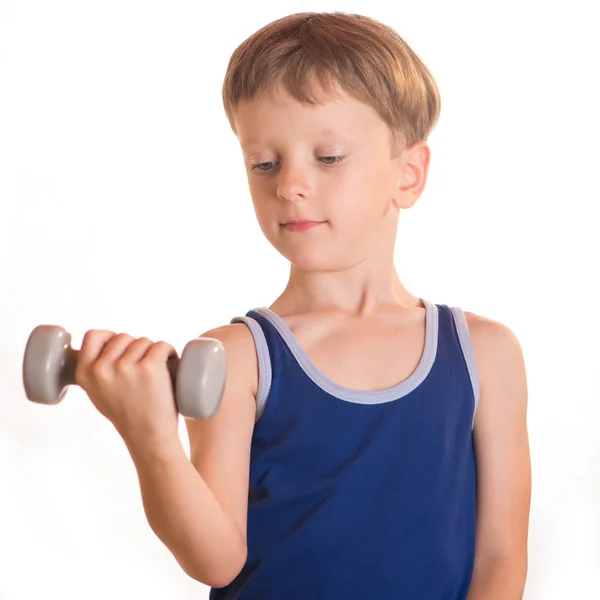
{"x": 301, "y": 225}
{"x": 300, "y": 222}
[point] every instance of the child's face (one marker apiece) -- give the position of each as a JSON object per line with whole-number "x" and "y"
{"x": 288, "y": 150}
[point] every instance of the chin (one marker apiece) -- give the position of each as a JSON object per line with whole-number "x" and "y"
{"x": 311, "y": 255}
{"x": 303, "y": 256}
{"x": 314, "y": 259}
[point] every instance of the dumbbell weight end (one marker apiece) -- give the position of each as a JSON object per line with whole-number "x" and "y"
{"x": 48, "y": 365}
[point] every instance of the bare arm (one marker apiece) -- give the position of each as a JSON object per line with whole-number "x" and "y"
{"x": 503, "y": 464}
{"x": 185, "y": 515}
{"x": 197, "y": 507}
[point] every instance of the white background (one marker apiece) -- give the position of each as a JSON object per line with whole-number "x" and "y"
{"x": 124, "y": 205}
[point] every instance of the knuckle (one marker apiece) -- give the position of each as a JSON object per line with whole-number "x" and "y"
{"x": 159, "y": 353}
{"x": 93, "y": 342}
{"x": 147, "y": 371}
{"x": 163, "y": 346}
{"x": 90, "y": 334}
{"x": 100, "y": 370}
{"x": 147, "y": 366}
{"x": 97, "y": 334}
{"x": 154, "y": 359}
{"x": 123, "y": 366}
{"x": 87, "y": 341}
{"x": 124, "y": 336}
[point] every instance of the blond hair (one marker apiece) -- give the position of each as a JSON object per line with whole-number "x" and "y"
{"x": 367, "y": 59}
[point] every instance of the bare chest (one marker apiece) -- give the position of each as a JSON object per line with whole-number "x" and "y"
{"x": 365, "y": 356}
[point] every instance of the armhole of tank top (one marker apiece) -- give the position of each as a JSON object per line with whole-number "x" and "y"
{"x": 264, "y": 362}
{"x": 464, "y": 336}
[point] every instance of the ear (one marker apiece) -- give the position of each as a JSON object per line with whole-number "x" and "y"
{"x": 413, "y": 167}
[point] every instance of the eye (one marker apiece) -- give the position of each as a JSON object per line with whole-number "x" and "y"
{"x": 334, "y": 159}
{"x": 258, "y": 166}
{"x": 328, "y": 160}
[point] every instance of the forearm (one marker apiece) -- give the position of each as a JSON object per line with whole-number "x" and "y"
{"x": 498, "y": 579}
{"x": 185, "y": 515}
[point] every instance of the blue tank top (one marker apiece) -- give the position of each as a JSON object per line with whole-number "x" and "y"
{"x": 364, "y": 495}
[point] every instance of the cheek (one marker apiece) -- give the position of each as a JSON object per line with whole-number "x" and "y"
{"x": 357, "y": 202}
{"x": 360, "y": 184}
{"x": 346, "y": 197}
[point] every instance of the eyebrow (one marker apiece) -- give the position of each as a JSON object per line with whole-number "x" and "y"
{"x": 324, "y": 131}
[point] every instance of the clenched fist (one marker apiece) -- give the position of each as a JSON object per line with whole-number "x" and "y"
{"x": 128, "y": 381}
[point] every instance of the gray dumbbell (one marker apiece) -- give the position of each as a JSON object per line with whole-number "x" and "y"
{"x": 198, "y": 376}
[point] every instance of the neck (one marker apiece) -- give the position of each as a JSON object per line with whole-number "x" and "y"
{"x": 360, "y": 289}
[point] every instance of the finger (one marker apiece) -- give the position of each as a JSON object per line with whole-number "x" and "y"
{"x": 159, "y": 353}
{"x": 135, "y": 351}
{"x": 92, "y": 345}
{"x": 120, "y": 354}
{"x": 113, "y": 349}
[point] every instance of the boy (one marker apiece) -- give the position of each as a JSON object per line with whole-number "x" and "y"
{"x": 370, "y": 443}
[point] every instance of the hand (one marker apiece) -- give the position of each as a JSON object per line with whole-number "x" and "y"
{"x": 127, "y": 380}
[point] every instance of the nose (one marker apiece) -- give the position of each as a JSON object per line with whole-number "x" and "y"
{"x": 293, "y": 184}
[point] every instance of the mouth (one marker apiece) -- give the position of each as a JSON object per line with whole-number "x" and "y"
{"x": 299, "y": 222}
{"x": 301, "y": 225}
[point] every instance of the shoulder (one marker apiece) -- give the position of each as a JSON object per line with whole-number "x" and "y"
{"x": 491, "y": 339}
{"x": 240, "y": 353}
{"x": 500, "y": 366}
{"x": 487, "y": 333}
